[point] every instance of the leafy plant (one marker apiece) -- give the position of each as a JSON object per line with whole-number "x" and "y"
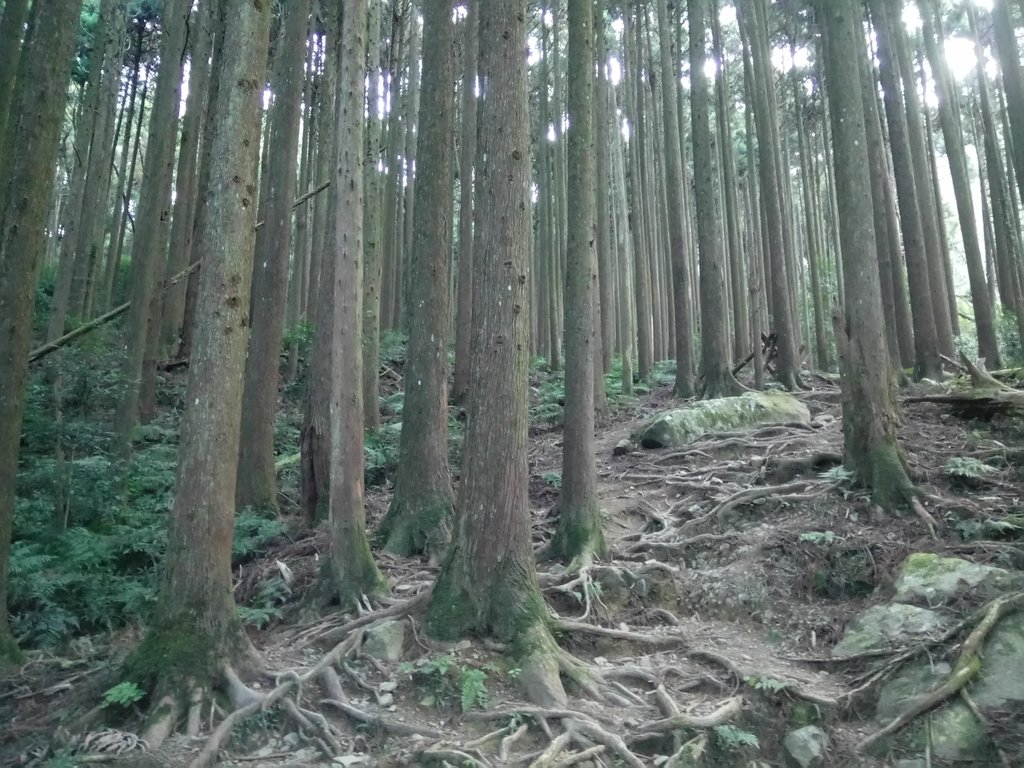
{"x": 818, "y": 537}
{"x": 967, "y": 468}
{"x": 449, "y": 682}
{"x": 123, "y": 694}
{"x": 265, "y": 605}
{"x": 554, "y": 479}
{"x": 769, "y": 684}
{"x": 729, "y": 737}
{"x": 473, "y": 685}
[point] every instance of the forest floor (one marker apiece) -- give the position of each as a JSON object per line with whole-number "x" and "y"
{"x": 737, "y": 562}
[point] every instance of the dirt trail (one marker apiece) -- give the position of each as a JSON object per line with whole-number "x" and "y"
{"x": 736, "y": 564}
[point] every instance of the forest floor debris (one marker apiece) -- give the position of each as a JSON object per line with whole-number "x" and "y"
{"x": 736, "y": 564}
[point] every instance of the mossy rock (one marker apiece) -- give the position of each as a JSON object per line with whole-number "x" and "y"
{"x": 681, "y": 426}
{"x": 884, "y": 626}
{"x": 956, "y": 733}
{"x": 929, "y": 579}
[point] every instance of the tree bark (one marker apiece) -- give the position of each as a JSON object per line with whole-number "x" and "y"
{"x": 467, "y": 160}
{"x": 419, "y": 519}
{"x": 578, "y": 537}
{"x": 149, "y": 244}
{"x": 196, "y": 631}
{"x": 350, "y": 571}
{"x": 33, "y": 135}
{"x": 1003, "y": 30}
{"x": 869, "y": 408}
{"x": 257, "y": 475}
{"x": 988, "y": 346}
{"x": 488, "y": 583}
{"x": 12, "y": 26}
{"x": 923, "y": 313}
{"x": 716, "y": 366}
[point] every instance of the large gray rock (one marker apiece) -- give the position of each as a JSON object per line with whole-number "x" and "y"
{"x": 933, "y": 580}
{"x": 385, "y": 640}
{"x": 955, "y": 732}
{"x": 679, "y": 427}
{"x": 884, "y": 626}
{"x": 807, "y": 746}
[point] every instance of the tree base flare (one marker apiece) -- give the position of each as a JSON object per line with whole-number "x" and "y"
{"x": 417, "y": 527}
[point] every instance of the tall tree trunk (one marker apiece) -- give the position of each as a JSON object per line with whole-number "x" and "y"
{"x": 716, "y": 365}
{"x": 674, "y": 180}
{"x": 372, "y": 227}
{"x": 644, "y": 312}
{"x": 257, "y": 474}
{"x": 926, "y": 339}
{"x": 752, "y": 16}
{"x": 315, "y": 439}
{"x": 928, "y": 203}
{"x": 350, "y": 571}
{"x": 186, "y": 178}
{"x": 1004, "y": 232}
{"x": 420, "y": 517}
{"x": 126, "y": 171}
{"x": 488, "y": 583}
{"x": 1003, "y": 30}
{"x": 149, "y": 244}
{"x": 12, "y": 26}
{"x": 723, "y": 112}
{"x": 195, "y": 632}
{"x": 467, "y": 160}
{"x": 988, "y": 346}
{"x": 869, "y": 407}
{"x": 33, "y": 135}
{"x": 605, "y": 271}
{"x": 578, "y": 538}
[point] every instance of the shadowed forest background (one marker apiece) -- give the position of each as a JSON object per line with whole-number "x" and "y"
{"x": 511, "y": 382}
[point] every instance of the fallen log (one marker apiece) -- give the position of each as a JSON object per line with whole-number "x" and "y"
{"x": 986, "y": 398}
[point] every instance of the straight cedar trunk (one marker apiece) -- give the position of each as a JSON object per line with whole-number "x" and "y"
{"x": 88, "y": 259}
{"x": 467, "y": 160}
{"x": 723, "y": 112}
{"x": 869, "y": 406}
{"x": 488, "y": 583}
{"x": 1004, "y": 232}
{"x": 126, "y": 172}
{"x": 27, "y": 185}
{"x": 1003, "y": 30}
{"x": 927, "y": 363}
{"x": 202, "y": 219}
{"x": 372, "y": 227}
{"x": 257, "y": 475}
{"x": 988, "y": 346}
{"x": 196, "y": 633}
{"x": 644, "y": 315}
{"x": 186, "y": 179}
{"x": 315, "y": 445}
{"x": 920, "y": 168}
{"x": 578, "y": 537}
{"x": 814, "y": 258}
{"x": 605, "y": 270}
{"x": 419, "y": 519}
{"x": 715, "y": 365}
{"x": 12, "y": 26}
{"x": 674, "y": 180}
{"x": 753, "y": 18}
{"x": 879, "y": 175}
{"x": 625, "y": 293}
{"x": 149, "y": 244}
{"x": 350, "y": 571}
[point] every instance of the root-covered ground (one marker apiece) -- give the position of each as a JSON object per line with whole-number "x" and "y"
{"x": 705, "y": 638}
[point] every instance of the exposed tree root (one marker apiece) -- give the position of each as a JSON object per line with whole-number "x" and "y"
{"x": 967, "y": 667}
{"x": 729, "y": 710}
{"x": 786, "y": 492}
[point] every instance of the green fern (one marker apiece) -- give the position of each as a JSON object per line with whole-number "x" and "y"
{"x": 474, "y": 689}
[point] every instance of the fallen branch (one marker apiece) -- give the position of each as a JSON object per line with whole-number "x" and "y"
{"x": 52, "y": 346}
